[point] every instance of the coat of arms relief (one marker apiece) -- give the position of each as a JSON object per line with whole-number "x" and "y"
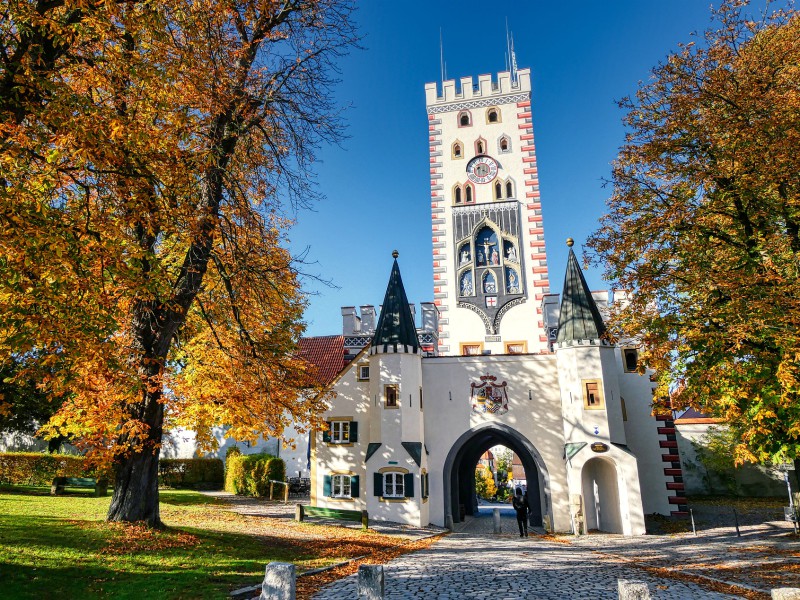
{"x": 488, "y": 396}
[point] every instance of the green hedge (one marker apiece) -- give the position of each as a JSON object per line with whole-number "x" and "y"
{"x": 36, "y": 468}
{"x": 194, "y": 473}
{"x": 249, "y": 474}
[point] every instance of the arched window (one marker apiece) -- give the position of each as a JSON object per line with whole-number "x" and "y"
{"x": 498, "y": 190}
{"x": 509, "y": 189}
{"x": 480, "y": 147}
{"x": 457, "y": 194}
{"x": 468, "y": 192}
{"x": 504, "y": 144}
{"x": 492, "y": 114}
{"x": 464, "y": 119}
{"x": 456, "y": 150}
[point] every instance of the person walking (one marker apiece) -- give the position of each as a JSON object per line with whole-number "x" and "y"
{"x": 521, "y": 507}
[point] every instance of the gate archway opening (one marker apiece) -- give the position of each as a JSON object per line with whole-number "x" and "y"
{"x": 460, "y": 498}
{"x": 600, "y": 484}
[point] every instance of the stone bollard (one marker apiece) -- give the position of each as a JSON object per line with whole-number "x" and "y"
{"x": 786, "y": 594}
{"x": 496, "y": 515}
{"x": 632, "y": 590}
{"x": 370, "y": 582}
{"x": 279, "y": 582}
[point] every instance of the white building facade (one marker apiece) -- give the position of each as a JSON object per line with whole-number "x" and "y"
{"x": 496, "y": 360}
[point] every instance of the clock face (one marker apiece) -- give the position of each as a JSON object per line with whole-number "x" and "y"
{"x": 482, "y": 169}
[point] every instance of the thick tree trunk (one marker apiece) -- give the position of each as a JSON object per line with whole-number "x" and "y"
{"x": 136, "y": 474}
{"x": 136, "y": 489}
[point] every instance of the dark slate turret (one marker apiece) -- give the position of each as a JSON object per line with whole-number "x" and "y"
{"x": 396, "y": 331}
{"x": 579, "y": 318}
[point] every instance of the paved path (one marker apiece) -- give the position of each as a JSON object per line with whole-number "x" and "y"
{"x": 476, "y": 566}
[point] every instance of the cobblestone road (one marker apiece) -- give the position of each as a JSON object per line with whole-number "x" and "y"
{"x": 473, "y": 565}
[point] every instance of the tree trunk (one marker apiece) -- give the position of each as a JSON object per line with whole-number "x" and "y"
{"x": 136, "y": 474}
{"x": 136, "y": 489}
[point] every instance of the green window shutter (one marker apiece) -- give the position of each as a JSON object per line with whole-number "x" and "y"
{"x": 326, "y": 434}
{"x": 408, "y": 485}
{"x": 354, "y": 491}
{"x": 377, "y": 478}
{"x": 326, "y": 486}
{"x": 353, "y": 432}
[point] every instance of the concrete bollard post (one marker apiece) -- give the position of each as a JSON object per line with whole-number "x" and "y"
{"x": 632, "y": 590}
{"x": 279, "y": 582}
{"x": 786, "y": 594}
{"x": 496, "y": 516}
{"x": 370, "y": 582}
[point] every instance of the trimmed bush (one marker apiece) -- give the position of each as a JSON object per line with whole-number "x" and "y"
{"x": 36, "y": 468}
{"x": 249, "y": 474}
{"x": 192, "y": 473}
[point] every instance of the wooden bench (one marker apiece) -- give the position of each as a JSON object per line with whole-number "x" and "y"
{"x": 59, "y": 483}
{"x": 301, "y": 512}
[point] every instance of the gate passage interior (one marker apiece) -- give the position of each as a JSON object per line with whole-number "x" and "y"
{"x": 460, "y": 497}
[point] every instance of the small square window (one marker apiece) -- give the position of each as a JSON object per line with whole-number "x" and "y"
{"x": 393, "y": 485}
{"x": 391, "y": 395}
{"x": 340, "y": 486}
{"x": 363, "y": 372}
{"x": 592, "y": 395}
{"x": 471, "y": 349}
{"x": 516, "y": 348}
{"x": 630, "y": 360}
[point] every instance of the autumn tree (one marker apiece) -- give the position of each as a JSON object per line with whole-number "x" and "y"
{"x": 484, "y": 482}
{"x": 704, "y": 227}
{"x": 152, "y": 157}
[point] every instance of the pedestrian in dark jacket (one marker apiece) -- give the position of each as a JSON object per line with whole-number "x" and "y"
{"x": 520, "y": 504}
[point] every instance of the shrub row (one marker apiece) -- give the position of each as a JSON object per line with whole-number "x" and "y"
{"x": 249, "y": 474}
{"x": 193, "y": 473}
{"x": 36, "y": 468}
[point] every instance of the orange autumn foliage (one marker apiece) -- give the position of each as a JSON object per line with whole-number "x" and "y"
{"x": 153, "y": 157}
{"x": 704, "y": 228}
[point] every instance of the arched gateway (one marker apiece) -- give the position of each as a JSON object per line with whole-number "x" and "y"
{"x": 458, "y": 475}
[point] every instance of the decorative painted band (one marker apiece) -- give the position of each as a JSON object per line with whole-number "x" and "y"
{"x": 670, "y": 458}
{"x": 666, "y": 430}
{"x": 675, "y": 486}
{"x": 673, "y": 472}
{"x": 676, "y": 499}
{"x": 527, "y": 136}
{"x": 523, "y": 104}
{"x": 668, "y": 444}
{"x": 524, "y": 115}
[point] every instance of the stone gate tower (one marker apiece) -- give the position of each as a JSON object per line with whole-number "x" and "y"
{"x": 489, "y": 263}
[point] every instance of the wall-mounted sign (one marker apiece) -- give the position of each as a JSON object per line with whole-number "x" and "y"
{"x": 599, "y": 447}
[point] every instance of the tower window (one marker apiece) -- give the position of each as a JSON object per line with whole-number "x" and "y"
{"x": 468, "y": 190}
{"x": 480, "y": 147}
{"x": 504, "y": 144}
{"x": 630, "y": 358}
{"x": 457, "y": 195}
{"x": 391, "y": 396}
{"x": 592, "y": 395}
{"x": 509, "y": 189}
{"x": 498, "y": 190}
{"x": 493, "y": 115}
{"x": 464, "y": 119}
{"x": 456, "y": 150}
{"x": 471, "y": 349}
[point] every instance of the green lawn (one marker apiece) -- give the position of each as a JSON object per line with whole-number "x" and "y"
{"x": 60, "y": 547}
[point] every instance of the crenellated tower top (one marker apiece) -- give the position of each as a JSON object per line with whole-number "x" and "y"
{"x": 467, "y": 89}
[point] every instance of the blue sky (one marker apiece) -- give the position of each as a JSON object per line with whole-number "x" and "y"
{"x": 583, "y": 55}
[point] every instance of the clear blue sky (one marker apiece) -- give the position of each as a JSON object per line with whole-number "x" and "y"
{"x": 583, "y": 54}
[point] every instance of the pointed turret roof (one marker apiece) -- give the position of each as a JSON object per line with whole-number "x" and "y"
{"x": 579, "y": 317}
{"x": 396, "y": 328}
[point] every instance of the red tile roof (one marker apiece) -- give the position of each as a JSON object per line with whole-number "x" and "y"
{"x": 327, "y": 353}
{"x": 694, "y": 417}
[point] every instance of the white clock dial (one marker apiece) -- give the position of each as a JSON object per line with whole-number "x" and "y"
{"x": 482, "y": 169}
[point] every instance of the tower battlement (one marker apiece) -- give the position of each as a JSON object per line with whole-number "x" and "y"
{"x": 467, "y": 88}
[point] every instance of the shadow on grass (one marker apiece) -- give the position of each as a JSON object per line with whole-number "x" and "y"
{"x": 51, "y": 558}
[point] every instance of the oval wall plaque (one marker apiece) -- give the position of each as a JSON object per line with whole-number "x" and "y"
{"x": 599, "y": 447}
